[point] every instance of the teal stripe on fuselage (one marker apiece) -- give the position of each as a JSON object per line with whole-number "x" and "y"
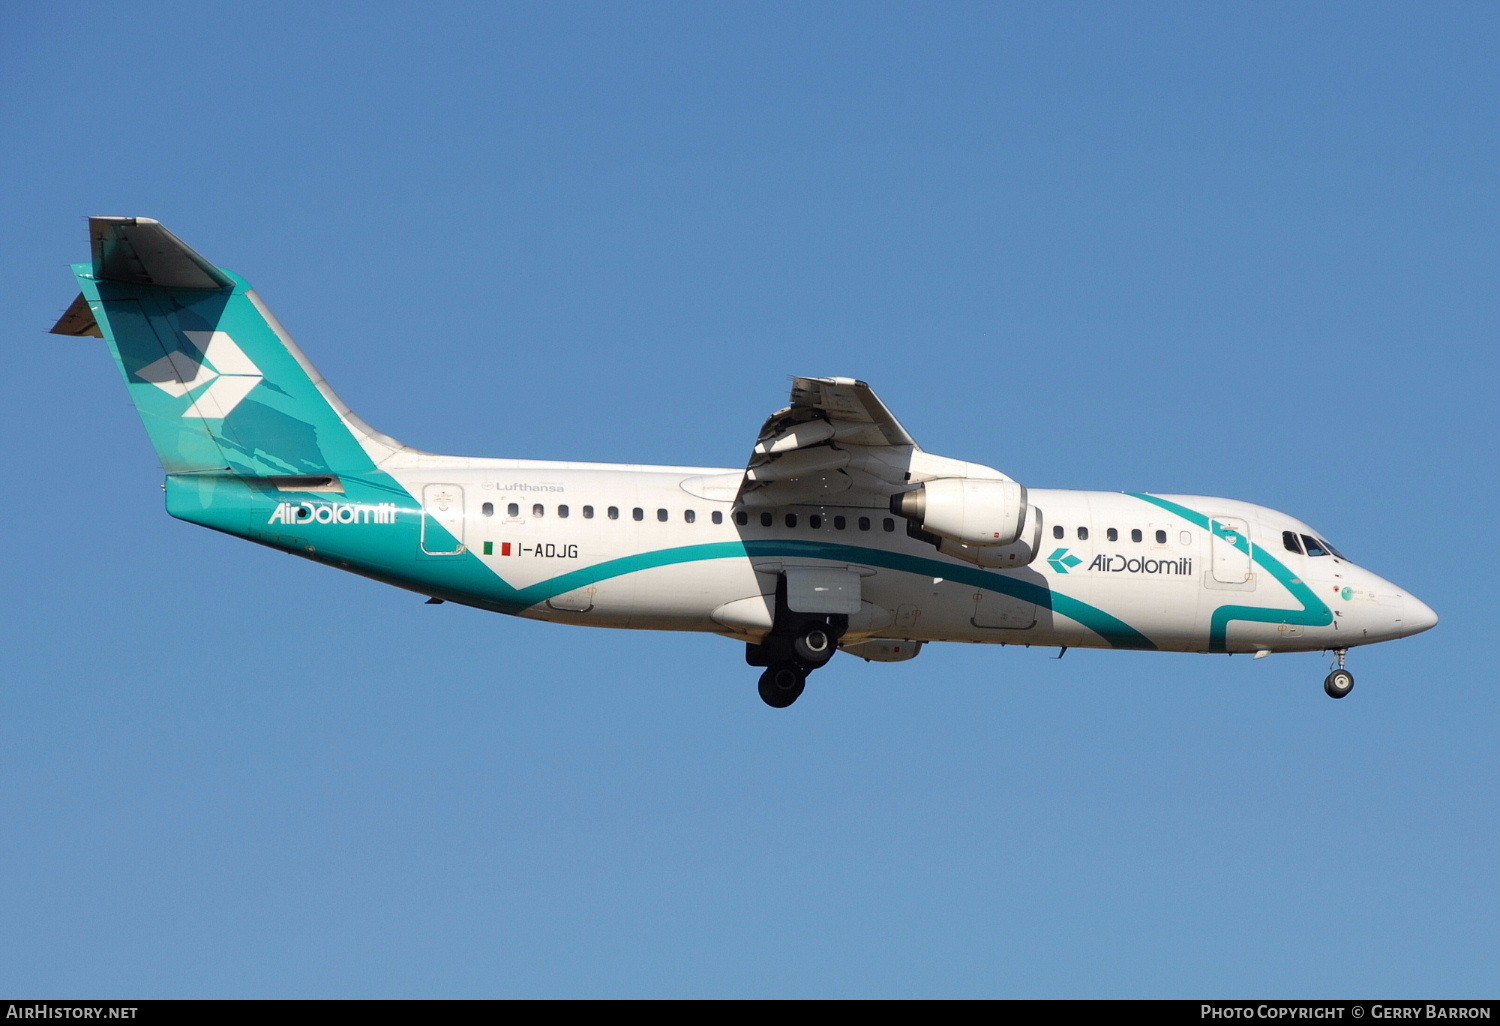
{"x": 1112, "y": 629}
{"x": 1314, "y": 611}
{"x": 391, "y": 551}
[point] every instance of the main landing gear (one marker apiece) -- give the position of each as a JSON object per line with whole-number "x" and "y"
{"x": 791, "y": 655}
{"x": 781, "y": 684}
{"x": 1340, "y": 682}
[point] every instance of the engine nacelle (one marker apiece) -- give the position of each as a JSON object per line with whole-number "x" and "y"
{"x": 1001, "y": 557}
{"x": 967, "y": 510}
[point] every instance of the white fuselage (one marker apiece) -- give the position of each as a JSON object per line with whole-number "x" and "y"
{"x": 631, "y": 547}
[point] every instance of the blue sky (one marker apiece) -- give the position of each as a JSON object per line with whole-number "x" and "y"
{"x": 1245, "y": 250}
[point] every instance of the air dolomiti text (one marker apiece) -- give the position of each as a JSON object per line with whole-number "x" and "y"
{"x": 334, "y": 513}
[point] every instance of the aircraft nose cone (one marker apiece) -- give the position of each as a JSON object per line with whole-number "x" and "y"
{"x": 1418, "y": 616}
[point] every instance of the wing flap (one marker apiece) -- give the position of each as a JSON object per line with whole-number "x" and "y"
{"x": 836, "y": 442}
{"x": 852, "y": 404}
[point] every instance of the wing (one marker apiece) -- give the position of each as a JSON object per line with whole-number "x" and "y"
{"x": 836, "y": 442}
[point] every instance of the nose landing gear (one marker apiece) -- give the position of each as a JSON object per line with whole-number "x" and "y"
{"x": 1340, "y": 682}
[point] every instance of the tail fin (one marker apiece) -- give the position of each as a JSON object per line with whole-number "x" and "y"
{"x": 219, "y": 383}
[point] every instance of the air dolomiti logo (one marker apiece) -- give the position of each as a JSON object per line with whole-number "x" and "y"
{"x": 1115, "y": 563}
{"x": 334, "y": 513}
{"x": 221, "y": 370}
{"x": 1064, "y": 562}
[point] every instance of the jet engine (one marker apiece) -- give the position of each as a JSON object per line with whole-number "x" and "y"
{"x": 974, "y": 512}
{"x": 981, "y": 520}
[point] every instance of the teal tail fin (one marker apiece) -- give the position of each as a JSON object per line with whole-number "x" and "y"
{"x": 220, "y": 385}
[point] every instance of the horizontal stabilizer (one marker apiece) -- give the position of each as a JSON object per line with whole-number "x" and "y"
{"x": 139, "y": 251}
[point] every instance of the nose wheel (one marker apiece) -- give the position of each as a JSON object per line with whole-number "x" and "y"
{"x": 1340, "y": 682}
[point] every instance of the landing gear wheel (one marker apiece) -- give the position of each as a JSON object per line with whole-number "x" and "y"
{"x": 814, "y": 646}
{"x": 781, "y": 684}
{"x": 1338, "y": 683}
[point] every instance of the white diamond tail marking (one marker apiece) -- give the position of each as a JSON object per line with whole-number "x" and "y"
{"x": 223, "y": 366}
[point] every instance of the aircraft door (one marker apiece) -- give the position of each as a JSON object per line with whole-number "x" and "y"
{"x": 1231, "y": 563}
{"x": 443, "y": 520}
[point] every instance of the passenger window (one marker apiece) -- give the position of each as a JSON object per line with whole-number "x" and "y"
{"x": 864, "y": 523}
{"x": 689, "y": 516}
{"x": 815, "y": 522}
{"x": 1161, "y": 537}
{"x": 1289, "y": 540}
{"x": 1135, "y": 534}
{"x": 1112, "y": 534}
{"x": 1058, "y": 532}
{"x": 741, "y": 517}
{"x": 562, "y": 511}
{"x": 1313, "y": 548}
{"x": 839, "y": 523}
{"x": 539, "y": 510}
{"x": 638, "y": 514}
{"x": 791, "y": 520}
{"x": 766, "y": 519}
{"x": 488, "y": 509}
{"x": 890, "y": 525}
{"x": 613, "y": 513}
{"x": 514, "y": 509}
{"x": 718, "y": 516}
{"x": 1186, "y": 537}
{"x": 661, "y": 515}
{"x": 1083, "y": 534}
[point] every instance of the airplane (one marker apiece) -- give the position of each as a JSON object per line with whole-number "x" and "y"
{"x": 841, "y": 534}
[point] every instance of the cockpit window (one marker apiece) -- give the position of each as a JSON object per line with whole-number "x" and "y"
{"x": 1333, "y": 551}
{"x": 1289, "y": 539}
{"x": 1314, "y": 547}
